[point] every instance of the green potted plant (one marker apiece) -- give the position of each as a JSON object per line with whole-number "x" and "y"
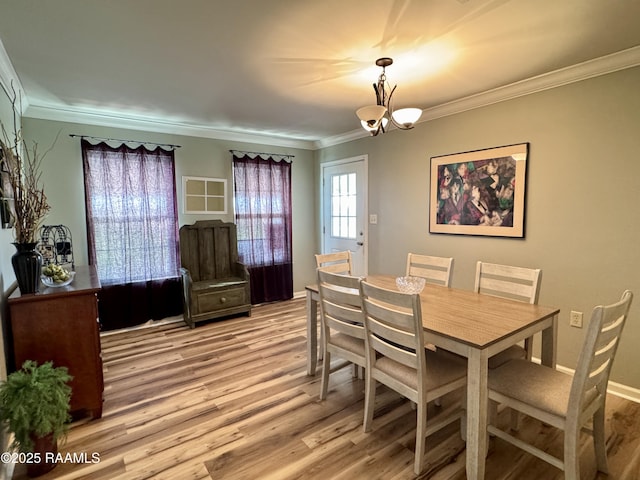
{"x": 34, "y": 406}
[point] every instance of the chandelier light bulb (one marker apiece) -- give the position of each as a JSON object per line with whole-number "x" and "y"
{"x": 407, "y": 117}
{"x": 371, "y": 115}
{"x": 374, "y": 128}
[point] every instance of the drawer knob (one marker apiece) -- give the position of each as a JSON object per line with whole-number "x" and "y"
{"x": 223, "y": 300}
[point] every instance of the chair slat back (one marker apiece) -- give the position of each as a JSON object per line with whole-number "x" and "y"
{"x": 435, "y": 270}
{"x": 598, "y": 352}
{"x": 393, "y": 325}
{"x": 335, "y": 262}
{"x": 516, "y": 283}
{"x": 340, "y": 308}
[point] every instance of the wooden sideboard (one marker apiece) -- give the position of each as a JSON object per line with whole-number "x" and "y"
{"x": 60, "y": 324}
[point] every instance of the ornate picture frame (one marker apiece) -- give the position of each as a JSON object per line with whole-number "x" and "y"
{"x": 481, "y": 192}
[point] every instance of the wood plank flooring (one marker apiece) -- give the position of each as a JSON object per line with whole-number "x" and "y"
{"x": 230, "y": 400}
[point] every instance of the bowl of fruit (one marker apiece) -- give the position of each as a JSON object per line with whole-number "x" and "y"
{"x": 56, "y": 276}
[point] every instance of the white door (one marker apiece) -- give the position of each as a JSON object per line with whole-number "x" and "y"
{"x": 344, "y": 198}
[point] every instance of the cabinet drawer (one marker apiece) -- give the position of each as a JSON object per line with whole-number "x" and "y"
{"x": 220, "y": 299}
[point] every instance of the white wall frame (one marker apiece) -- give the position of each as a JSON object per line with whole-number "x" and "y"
{"x": 204, "y": 195}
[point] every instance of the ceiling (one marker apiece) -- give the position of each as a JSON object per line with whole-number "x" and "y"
{"x": 288, "y": 69}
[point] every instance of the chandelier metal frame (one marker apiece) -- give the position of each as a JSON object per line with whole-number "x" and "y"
{"x": 374, "y": 118}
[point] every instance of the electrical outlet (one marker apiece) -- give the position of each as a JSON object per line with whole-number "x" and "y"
{"x": 575, "y": 319}
{"x": 373, "y": 219}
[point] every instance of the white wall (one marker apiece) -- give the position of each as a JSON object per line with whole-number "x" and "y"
{"x": 582, "y": 214}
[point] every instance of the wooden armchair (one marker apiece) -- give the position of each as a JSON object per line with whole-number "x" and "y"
{"x": 215, "y": 283}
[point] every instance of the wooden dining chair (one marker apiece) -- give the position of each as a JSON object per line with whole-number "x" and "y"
{"x": 396, "y": 357}
{"x": 341, "y": 323}
{"x": 515, "y": 283}
{"x": 559, "y": 400}
{"x": 435, "y": 270}
{"x": 335, "y": 262}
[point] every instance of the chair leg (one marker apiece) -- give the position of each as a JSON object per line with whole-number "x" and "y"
{"x": 599, "y": 441}
{"x": 326, "y": 369}
{"x": 528, "y": 347}
{"x": 463, "y": 418}
{"x": 515, "y": 420}
{"x": 369, "y": 400}
{"x": 463, "y": 424}
{"x": 492, "y": 414}
{"x": 421, "y": 438}
{"x": 321, "y": 344}
{"x": 357, "y": 371}
{"x": 572, "y": 454}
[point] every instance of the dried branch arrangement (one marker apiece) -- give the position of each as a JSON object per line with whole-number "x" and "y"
{"x": 22, "y": 166}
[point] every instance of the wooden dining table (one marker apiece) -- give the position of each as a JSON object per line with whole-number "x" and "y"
{"x": 470, "y": 324}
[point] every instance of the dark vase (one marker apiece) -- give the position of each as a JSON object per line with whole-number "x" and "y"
{"x": 27, "y": 265}
{"x": 45, "y": 449}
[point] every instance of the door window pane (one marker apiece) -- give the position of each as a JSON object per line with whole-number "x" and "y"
{"x": 343, "y": 206}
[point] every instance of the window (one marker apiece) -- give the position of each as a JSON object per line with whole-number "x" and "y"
{"x": 343, "y": 206}
{"x": 131, "y": 212}
{"x": 204, "y": 195}
{"x": 263, "y": 211}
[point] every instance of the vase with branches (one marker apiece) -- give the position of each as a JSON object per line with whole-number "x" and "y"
{"x": 21, "y": 165}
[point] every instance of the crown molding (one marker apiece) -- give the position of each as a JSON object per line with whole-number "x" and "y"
{"x": 115, "y": 120}
{"x": 576, "y": 73}
{"x": 342, "y": 138}
{"x": 593, "y": 68}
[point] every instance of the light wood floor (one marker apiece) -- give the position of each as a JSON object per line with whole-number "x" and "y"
{"x": 231, "y": 400}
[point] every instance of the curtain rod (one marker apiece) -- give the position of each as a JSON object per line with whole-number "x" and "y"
{"x": 283, "y": 155}
{"x": 73, "y": 135}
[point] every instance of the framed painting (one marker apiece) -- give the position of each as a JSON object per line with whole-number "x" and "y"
{"x": 481, "y": 192}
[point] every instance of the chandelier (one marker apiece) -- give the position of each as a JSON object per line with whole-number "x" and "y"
{"x": 374, "y": 118}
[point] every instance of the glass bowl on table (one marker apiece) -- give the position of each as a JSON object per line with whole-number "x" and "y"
{"x": 410, "y": 284}
{"x": 56, "y": 276}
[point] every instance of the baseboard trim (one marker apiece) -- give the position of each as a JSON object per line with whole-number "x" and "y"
{"x": 614, "y": 388}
